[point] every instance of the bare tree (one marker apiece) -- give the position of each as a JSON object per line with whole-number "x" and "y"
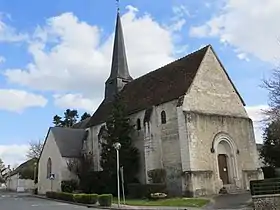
{"x": 35, "y": 149}
{"x": 272, "y": 85}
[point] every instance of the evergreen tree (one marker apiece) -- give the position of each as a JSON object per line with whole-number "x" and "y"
{"x": 270, "y": 151}
{"x": 69, "y": 119}
{"x": 119, "y": 129}
{"x": 85, "y": 116}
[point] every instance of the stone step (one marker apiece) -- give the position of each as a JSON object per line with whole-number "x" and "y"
{"x": 232, "y": 189}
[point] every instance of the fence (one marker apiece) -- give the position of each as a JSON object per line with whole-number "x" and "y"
{"x": 265, "y": 186}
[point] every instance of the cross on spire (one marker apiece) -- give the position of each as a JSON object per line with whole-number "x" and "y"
{"x": 118, "y": 5}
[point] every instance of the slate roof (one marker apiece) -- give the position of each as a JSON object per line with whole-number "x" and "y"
{"x": 162, "y": 85}
{"x": 81, "y": 124}
{"x": 68, "y": 140}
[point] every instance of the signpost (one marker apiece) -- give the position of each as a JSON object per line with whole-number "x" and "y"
{"x": 52, "y": 176}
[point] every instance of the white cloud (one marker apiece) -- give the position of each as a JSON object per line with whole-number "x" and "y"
{"x": 18, "y": 100}
{"x": 9, "y": 34}
{"x": 68, "y": 55}
{"x": 243, "y": 56}
{"x": 75, "y": 101}
{"x": 256, "y": 114}
{"x": 2, "y": 59}
{"x": 13, "y": 154}
{"x": 250, "y": 26}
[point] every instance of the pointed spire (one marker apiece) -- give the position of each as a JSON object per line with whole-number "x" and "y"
{"x": 119, "y": 69}
{"x": 119, "y": 66}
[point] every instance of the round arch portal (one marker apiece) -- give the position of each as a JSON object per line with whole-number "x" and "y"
{"x": 225, "y": 151}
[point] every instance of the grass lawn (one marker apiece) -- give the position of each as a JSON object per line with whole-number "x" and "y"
{"x": 178, "y": 202}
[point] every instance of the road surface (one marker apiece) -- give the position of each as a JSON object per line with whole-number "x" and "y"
{"x": 15, "y": 201}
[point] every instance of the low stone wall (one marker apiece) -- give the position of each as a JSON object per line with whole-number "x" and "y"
{"x": 266, "y": 202}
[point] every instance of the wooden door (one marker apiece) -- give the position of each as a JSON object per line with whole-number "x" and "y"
{"x": 223, "y": 168}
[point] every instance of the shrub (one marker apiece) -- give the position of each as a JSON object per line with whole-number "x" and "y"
{"x": 105, "y": 199}
{"x": 269, "y": 172}
{"x": 145, "y": 190}
{"x": 60, "y": 196}
{"x": 157, "y": 175}
{"x": 86, "y": 198}
{"x": 69, "y": 186}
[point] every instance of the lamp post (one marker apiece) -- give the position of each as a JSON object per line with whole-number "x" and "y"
{"x": 117, "y": 147}
{"x": 9, "y": 176}
{"x": 35, "y": 170}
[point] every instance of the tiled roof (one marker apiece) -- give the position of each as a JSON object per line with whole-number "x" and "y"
{"x": 162, "y": 85}
{"x": 69, "y": 141}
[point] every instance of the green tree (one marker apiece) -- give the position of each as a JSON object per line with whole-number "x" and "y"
{"x": 119, "y": 129}
{"x": 85, "y": 116}
{"x": 69, "y": 119}
{"x": 270, "y": 151}
{"x": 57, "y": 121}
{"x": 83, "y": 169}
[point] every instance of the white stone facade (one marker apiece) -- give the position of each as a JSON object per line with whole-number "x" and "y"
{"x": 209, "y": 120}
{"x": 14, "y": 183}
{"x": 58, "y": 167}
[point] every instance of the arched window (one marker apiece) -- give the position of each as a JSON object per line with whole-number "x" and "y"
{"x": 49, "y": 168}
{"x": 163, "y": 117}
{"x": 138, "y": 124}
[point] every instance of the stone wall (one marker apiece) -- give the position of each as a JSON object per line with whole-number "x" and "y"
{"x": 14, "y": 183}
{"x": 204, "y": 129}
{"x": 50, "y": 151}
{"x": 212, "y": 91}
{"x": 198, "y": 183}
{"x": 158, "y": 143}
{"x": 266, "y": 202}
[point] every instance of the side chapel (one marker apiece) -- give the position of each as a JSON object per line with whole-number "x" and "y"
{"x": 190, "y": 120}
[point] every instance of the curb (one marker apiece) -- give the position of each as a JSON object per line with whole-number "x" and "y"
{"x": 112, "y": 208}
{"x": 79, "y": 204}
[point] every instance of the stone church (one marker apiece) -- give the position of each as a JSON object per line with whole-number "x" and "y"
{"x": 190, "y": 120}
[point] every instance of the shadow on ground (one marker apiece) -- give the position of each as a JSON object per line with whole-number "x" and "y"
{"x": 230, "y": 201}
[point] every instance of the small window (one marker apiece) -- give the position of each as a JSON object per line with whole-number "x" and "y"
{"x": 163, "y": 117}
{"x": 138, "y": 124}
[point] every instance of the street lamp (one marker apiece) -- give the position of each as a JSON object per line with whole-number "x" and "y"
{"x": 35, "y": 172}
{"x": 117, "y": 147}
{"x": 9, "y": 176}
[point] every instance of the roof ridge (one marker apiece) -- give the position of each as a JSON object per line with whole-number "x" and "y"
{"x": 156, "y": 87}
{"x": 174, "y": 61}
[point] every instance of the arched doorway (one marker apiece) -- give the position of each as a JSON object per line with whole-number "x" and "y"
{"x": 225, "y": 151}
{"x": 223, "y": 168}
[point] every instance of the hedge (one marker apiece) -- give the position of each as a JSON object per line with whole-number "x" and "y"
{"x": 86, "y": 198}
{"x": 60, "y": 196}
{"x": 105, "y": 199}
{"x": 144, "y": 190}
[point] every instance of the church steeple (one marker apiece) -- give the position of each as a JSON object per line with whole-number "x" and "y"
{"x": 119, "y": 76}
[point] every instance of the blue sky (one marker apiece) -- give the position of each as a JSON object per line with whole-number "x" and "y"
{"x": 56, "y": 54}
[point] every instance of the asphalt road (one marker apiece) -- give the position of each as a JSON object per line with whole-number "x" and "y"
{"x": 231, "y": 202}
{"x": 23, "y": 202}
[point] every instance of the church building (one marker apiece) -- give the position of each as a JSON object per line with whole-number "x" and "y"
{"x": 190, "y": 120}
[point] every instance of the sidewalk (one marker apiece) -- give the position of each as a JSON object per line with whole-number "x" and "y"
{"x": 115, "y": 206}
